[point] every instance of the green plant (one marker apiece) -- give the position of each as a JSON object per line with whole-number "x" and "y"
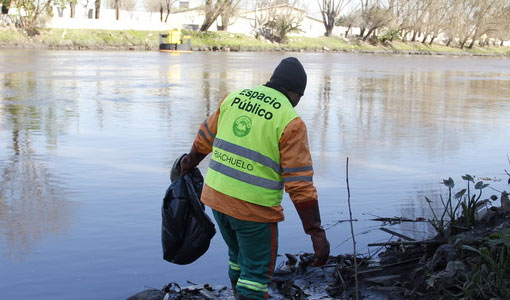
{"x": 488, "y": 277}
{"x": 464, "y": 211}
{"x": 34, "y": 14}
{"x": 471, "y": 203}
{"x": 390, "y": 36}
{"x": 5, "y": 4}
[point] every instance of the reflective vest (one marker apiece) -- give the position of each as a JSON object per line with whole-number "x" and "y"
{"x": 245, "y": 161}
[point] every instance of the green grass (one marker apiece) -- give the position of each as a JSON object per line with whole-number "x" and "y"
{"x": 417, "y": 46}
{"x": 331, "y": 43}
{"x": 225, "y": 39}
{"x": 12, "y": 37}
{"x": 149, "y": 40}
{"x": 99, "y": 38}
{"x": 490, "y": 50}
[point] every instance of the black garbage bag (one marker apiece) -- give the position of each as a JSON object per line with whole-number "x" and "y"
{"x": 186, "y": 230}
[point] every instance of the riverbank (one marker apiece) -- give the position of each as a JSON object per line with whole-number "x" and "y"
{"x": 466, "y": 262}
{"x": 77, "y": 39}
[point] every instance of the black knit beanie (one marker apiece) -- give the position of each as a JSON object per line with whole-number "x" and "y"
{"x": 290, "y": 75}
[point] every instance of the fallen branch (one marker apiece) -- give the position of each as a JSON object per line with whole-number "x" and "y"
{"x": 426, "y": 242}
{"x": 399, "y": 219}
{"x": 397, "y": 234}
{"x": 389, "y": 266}
{"x": 340, "y": 221}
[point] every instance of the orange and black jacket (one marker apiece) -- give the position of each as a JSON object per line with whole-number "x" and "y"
{"x": 295, "y": 154}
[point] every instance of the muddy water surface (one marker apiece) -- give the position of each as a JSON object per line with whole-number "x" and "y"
{"x": 87, "y": 138}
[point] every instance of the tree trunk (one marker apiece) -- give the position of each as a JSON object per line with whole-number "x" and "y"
{"x": 328, "y": 19}
{"x": 98, "y": 8}
{"x": 501, "y": 43}
{"x": 472, "y": 43}
{"x": 329, "y": 30}
{"x": 362, "y": 32}
{"x": 347, "y": 31}
{"x": 168, "y": 10}
{"x": 205, "y": 26}
{"x": 369, "y": 33}
{"x": 432, "y": 39}
{"x": 208, "y": 21}
{"x": 117, "y": 9}
{"x": 448, "y": 43}
{"x": 463, "y": 43}
{"x": 225, "y": 20}
{"x": 212, "y": 13}
{"x": 415, "y": 33}
{"x": 425, "y": 38}
{"x": 73, "y": 9}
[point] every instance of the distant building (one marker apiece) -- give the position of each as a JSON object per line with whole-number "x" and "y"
{"x": 186, "y": 14}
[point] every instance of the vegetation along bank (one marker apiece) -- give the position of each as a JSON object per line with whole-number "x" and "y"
{"x": 83, "y": 39}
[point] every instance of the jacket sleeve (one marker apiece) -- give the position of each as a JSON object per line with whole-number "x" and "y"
{"x": 207, "y": 132}
{"x": 296, "y": 162}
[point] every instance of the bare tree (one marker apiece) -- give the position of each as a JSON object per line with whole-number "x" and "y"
{"x": 213, "y": 9}
{"x": 275, "y": 21}
{"x": 453, "y": 22}
{"x": 128, "y": 5}
{"x": 435, "y": 20}
{"x": 502, "y": 33}
{"x": 168, "y": 7}
{"x": 330, "y": 10}
{"x": 228, "y": 12}
{"x": 350, "y": 20}
{"x": 375, "y": 17}
{"x": 363, "y": 11}
{"x": 486, "y": 18}
{"x": 461, "y": 22}
{"x": 154, "y": 6}
{"x": 402, "y": 10}
{"x": 97, "y": 4}
{"x": 161, "y": 6}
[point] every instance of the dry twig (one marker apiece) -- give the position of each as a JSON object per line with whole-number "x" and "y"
{"x": 352, "y": 227}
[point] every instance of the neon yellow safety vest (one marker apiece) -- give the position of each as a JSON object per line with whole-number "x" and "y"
{"x": 245, "y": 162}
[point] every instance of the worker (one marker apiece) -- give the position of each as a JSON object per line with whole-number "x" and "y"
{"x": 259, "y": 146}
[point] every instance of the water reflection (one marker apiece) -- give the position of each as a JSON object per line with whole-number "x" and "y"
{"x": 322, "y": 114}
{"x": 405, "y": 123}
{"x": 33, "y": 202}
{"x": 429, "y": 111}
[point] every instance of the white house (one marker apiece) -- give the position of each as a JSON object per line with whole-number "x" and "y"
{"x": 185, "y": 17}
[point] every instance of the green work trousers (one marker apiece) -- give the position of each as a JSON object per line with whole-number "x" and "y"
{"x": 252, "y": 249}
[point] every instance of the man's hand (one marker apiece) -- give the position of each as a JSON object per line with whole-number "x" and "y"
{"x": 187, "y": 164}
{"x": 311, "y": 219}
{"x": 191, "y": 160}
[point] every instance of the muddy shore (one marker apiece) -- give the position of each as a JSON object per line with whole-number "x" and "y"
{"x": 455, "y": 265}
{"x": 72, "y": 47}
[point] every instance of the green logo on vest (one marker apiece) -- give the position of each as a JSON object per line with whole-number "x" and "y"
{"x": 242, "y": 126}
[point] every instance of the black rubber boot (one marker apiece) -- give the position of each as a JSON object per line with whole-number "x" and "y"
{"x": 234, "y": 287}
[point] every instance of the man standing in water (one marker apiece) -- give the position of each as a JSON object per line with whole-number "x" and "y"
{"x": 259, "y": 146}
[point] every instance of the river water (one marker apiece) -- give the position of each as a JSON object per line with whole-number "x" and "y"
{"x": 87, "y": 140}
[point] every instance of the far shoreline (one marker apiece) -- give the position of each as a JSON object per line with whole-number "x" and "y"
{"x": 130, "y": 40}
